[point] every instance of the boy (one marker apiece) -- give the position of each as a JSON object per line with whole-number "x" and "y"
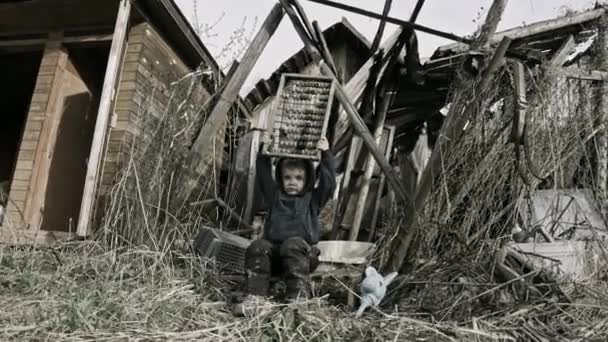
{"x": 292, "y": 224}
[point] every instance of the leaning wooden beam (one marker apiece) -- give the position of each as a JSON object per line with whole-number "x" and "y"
{"x": 395, "y": 21}
{"x": 310, "y": 30}
{"x": 325, "y": 49}
{"x": 379, "y": 119}
{"x": 358, "y": 125}
{"x": 489, "y": 28}
{"x": 381, "y": 26}
{"x": 204, "y": 141}
{"x": 450, "y": 131}
{"x": 561, "y": 55}
{"x": 103, "y": 117}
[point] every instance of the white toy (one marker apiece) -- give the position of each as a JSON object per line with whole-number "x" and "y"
{"x": 373, "y": 288}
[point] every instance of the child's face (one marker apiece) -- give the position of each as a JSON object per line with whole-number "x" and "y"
{"x": 293, "y": 180}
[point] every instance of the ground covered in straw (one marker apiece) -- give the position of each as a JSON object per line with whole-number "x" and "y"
{"x": 84, "y": 292}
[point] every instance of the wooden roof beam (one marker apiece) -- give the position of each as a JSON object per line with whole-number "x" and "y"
{"x": 395, "y": 21}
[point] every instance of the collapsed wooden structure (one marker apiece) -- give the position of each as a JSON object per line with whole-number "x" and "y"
{"x": 413, "y": 106}
{"x": 394, "y": 125}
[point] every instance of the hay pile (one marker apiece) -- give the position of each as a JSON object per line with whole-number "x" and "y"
{"x": 84, "y": 292}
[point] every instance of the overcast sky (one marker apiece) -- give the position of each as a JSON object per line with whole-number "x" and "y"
{"x": 229, "y": 18}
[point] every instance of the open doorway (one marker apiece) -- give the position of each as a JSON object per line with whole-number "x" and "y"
{"x": 19, "y": 71}
{"x": 81, "y": 93}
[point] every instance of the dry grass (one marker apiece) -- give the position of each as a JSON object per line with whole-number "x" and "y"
{"x": 79, "y": 292}
{"x": 132, "y": 284}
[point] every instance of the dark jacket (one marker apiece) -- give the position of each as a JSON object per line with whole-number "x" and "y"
{"x": 295, "y": 215}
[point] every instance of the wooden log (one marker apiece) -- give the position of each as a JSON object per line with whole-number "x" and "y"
{"x": 358, "y": 125}
{"x": 381, "y": 26}
{"x": 395, "y": 21}
{"x": 218, "y": 115}
{"x": 103, "y": 117}
{"x": 450, "y": 131}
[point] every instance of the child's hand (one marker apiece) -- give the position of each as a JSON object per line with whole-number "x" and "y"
{"x": 323, "y": 144}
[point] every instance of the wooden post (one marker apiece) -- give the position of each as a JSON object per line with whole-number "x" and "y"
{"x": 119, "y": 42}
{"x": 381, "y": 26}
{"x": 218, "y": 115}
{"x": 601, "y": 181}
{"x": 370, "y": 164}
{"x": 450, "y": 131}
{"x": 355, "y": 119}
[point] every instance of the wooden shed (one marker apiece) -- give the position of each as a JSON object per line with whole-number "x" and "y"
{"x": 74, "y": 75}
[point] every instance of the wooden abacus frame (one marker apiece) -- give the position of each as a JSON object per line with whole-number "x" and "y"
{"x": 277, "y": 112}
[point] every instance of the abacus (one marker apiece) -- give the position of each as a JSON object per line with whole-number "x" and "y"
{"x": 300, "y": 115}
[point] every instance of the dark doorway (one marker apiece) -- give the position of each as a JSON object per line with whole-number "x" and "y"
{"x": 81, "y": 92}
{"x": 18, "y": 77}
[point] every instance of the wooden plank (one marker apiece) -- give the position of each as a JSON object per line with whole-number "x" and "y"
{"x": 34, "y": 202}
{"x": 395, "y": 21}
{"x": 559, "y": 58}
{"x": 580, "y": 74}
{"x": 217, "y": 117}
{"x": 531, "y": 30}
{"x": 103, "y": 117}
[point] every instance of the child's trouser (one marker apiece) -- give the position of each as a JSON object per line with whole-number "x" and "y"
{"x": 293, "y": 260}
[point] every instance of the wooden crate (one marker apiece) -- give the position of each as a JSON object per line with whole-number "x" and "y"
{"x": 299, "y": 116}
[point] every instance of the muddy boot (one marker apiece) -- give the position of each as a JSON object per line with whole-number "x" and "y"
{"x": 257, "y": 265}
{"x": 295, "y": 254}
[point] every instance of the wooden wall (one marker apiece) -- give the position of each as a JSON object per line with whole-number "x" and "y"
{"x": 37, "y": 138}
{"x": 149, "y": 69}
